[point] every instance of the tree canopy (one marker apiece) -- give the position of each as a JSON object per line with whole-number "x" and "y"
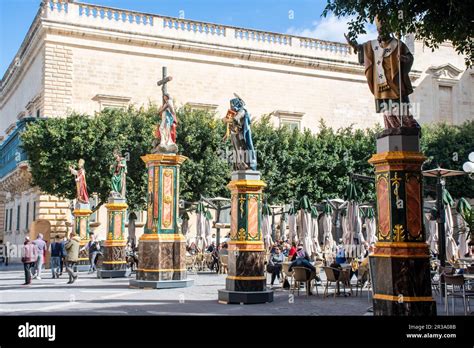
{"x": 54, "y": 144}
{"x": 433, "y": 21}
{"x": 448, "y": 146}
{"x": 293, "y": 163}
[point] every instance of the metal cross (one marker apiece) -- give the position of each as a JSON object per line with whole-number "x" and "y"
{"x": 164, "y": 81}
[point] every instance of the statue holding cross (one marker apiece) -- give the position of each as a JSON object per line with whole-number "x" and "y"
{"x": 165, "y": 135}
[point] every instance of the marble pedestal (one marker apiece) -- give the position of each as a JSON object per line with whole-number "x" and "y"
{"x": 399, "y": 266}
{"x": 81, "y": 214}
{"x": 114, "y": 264}
{"x": 161, "y": 249}
{"x": 246, "y": 282}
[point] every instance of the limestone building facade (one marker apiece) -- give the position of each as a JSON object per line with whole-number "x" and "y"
{"x": 82, "y": 57}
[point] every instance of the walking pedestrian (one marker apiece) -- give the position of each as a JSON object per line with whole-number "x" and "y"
{"x": 93, "y": 247}
{"x": 29, "y": 257}
{"x": 63, "y": 256}
{"x": 56, "y": 249}
{"x": 41, "y": 245}
{"x": 72, "y": 249}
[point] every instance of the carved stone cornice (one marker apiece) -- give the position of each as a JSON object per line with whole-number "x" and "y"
{"x": 17, "y": 181}
{"x": 445, "y": 71}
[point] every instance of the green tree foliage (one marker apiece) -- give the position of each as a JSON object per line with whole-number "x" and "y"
{"x": 296, "y": 163}
{"x": 433, "y": 21}
{"x": 56, "y": 143}
{"x": 449, "y": 146}
{"x": 292, "y": 163}
{"x": 199, "y": 138}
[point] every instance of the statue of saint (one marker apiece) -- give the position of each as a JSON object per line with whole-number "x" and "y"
{"x": 119, "y": 176}
{"x": 387, "y": 62}
{"x": 166, "y": 132}
{"x": 238, "y": 127}
{"x": 81, "y": 186}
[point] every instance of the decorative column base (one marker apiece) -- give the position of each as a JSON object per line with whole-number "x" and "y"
{"x": 161, "y": 250}
{"x": 115, "y": 263}
{"x": 81, "y": 214}
{"x": 399, "y": 266}
{"x": 246, "y": 281}
{"x": 401, "y": 280}
{"x": 161, "y": 262}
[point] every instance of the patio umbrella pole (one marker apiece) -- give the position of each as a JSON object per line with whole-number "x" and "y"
{"x": 441, "y": 228}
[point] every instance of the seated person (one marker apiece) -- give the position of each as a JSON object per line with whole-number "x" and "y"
{"x": 301, "y": 259}
{"x": 276, "y": 261}
{"x": 211, "y": 247}
{"x": 340, "y": 255}
{"x": 224, "y": 249}
{"x": 273, "y": 248}
{"x": 292, "y": 250}
{"x": 285, "y": 249}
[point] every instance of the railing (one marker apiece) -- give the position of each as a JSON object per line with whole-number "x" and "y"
{"x": 192, "y": 26}
{"x": 260, "y": 36}
{"x": 11, "y": 152}
{"x": 111, "y": 14}
{"x": 332, "y": 47}
{"x": 183, "y": 28}
{"x": 60, "y": 6}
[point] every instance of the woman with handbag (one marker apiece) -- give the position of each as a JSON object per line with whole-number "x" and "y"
{"x": 275, "y": 264}
{"x": 29, "y": 257}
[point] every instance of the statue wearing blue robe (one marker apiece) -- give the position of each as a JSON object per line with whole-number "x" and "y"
{"x": 238, "y": 120}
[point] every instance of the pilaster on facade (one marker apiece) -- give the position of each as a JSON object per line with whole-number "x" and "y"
{"x": 58, "y": 78}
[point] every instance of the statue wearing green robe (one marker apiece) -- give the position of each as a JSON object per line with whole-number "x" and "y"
{"x": 119, "y": 176}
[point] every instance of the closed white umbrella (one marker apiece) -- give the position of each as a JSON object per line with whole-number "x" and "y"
{"x": 207, "y": 228}
{"x": 292, "y": 225}
{"x": 465, "y": 214}
{"x": 200, "y": 226}
{"x": 327, "y": 225}
{"x": 451, "y": 246}
{"x": 266, "y": 227}
{"x": 371, "y": 226}
{"x": 346, "y": 232}
{"x": 305, "y": 224}
{"x": 283, "y": 235}
{"x": 185, "y": 223}
{"x": 433, "y": 237}
{"x": 354, "y": 222}
{"x": 315, "y": 229}
{"x": 329, "y": 244}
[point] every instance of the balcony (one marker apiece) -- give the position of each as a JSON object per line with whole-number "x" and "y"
{"x": 11, "y": 153}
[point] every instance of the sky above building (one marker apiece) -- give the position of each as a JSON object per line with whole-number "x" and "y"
{"x": 296, "y": 17}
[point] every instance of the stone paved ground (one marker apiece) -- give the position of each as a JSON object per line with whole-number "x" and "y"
{"x": 92, "y": 296}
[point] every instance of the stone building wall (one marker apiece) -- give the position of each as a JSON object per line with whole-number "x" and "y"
{"x": 80, "y": 57}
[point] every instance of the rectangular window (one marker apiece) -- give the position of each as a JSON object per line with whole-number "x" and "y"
{"x": 37, "y": 113}
{"x": 446, "y": 104}
{"x": 27, "y": 214}
{"x": 291, "y": 124}
{"x": 6, "y": 220}
{"x": 18, "y": 218}
{"x": 11, "y": 219}
{"x": 34, "y": 211}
